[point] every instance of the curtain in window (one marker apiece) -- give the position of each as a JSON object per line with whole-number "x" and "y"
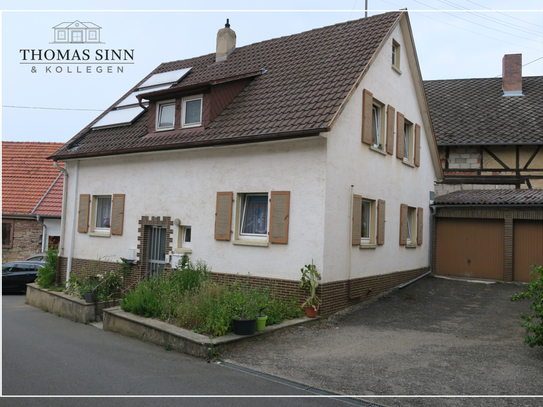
{"x": 366, "y": 208}
{"x": 375, "y": 130}
{"x": 255, "y": 216}
{"x": 103, "y": 213}
{"x": 406, "y": 140}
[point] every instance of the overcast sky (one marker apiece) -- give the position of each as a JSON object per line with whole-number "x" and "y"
{"x": 454, "y": 39}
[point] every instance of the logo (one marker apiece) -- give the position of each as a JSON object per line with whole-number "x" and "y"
{"x": 77, "y": 33}
{"x": 70, "y": 57}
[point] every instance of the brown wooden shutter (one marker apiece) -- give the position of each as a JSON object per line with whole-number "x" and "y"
{"x": 223, "y": 215}
{"x": 400, "y": 136}
{"x": 367, "y": 110}
{"x": 83, "y": 220}
{"x": 117, "y": 214}
{"x": 420, "y": 219}
{"x": 417, "y": 145}
{"x": 403, "y": 224}
{"x": 357, "y": 219}
{"x": 279, "y": 216}
{"x": 391, "y": 112}
{"x": 380, "y": 222}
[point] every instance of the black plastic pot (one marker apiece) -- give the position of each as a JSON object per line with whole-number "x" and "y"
{"x": 91, "y": 297}
{"x": 244, "y": 326}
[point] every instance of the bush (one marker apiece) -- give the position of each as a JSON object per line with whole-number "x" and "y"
{"x": 106, "y": 286}
{"x": 534, "y": 322}
{"x": 48, "y": 273}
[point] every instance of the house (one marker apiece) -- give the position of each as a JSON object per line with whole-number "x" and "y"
{"x": 77, "y": 32}
{"x": 492, "y": 234}
{"x": 490, "y": 130}
{"x": 31, "y": 199}
{"x": 311, "y": 148}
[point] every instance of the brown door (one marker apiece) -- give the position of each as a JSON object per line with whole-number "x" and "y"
{"x": 470, "y": 247}
{"x": 527, "y": 247}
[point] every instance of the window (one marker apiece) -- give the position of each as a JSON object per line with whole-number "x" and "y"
{"x": 396, "y": 55}
{"x": 368, "y": 222}
{"x": 165, "y": 115}
{"x": 102, "y": 213}
{"x": 186, "y": 236}
{"x": 377, "y": 124}
{"x": 191, "y": 111}
{"x": 61, "y": 35}
{"x": 7, "y": 234}
{"x": 253, "y": 216}
{"x": 411, "y": 225}
{"x": 408, "y": 141}
{"x": 92, "y": 35}
{"x": 77, "y": 36}
{"x": 106, "y": 214}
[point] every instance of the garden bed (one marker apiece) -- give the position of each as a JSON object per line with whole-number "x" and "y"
{"x": 66, "y": 305}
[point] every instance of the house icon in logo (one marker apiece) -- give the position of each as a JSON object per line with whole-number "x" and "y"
{"x": 77, "y": 33}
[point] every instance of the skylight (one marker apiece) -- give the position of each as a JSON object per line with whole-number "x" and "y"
{"x": 166, "y": 77}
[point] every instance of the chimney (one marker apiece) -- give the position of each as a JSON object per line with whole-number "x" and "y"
{"x": 226, "y": 42}
{"x": 512, "y": 75}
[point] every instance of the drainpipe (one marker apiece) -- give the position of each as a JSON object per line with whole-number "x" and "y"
{"x": 63, "y": 211}
{"x": 43, "y": 234}
{"x": 350, "y": 240}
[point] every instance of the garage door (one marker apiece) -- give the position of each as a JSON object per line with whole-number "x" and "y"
{"x": 527, "y": 247}
{"x": 470, "y": 247}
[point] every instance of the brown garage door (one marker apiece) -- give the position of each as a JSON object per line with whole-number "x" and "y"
{"x": 527, "y": 247}
{"x": 470, "y": 247}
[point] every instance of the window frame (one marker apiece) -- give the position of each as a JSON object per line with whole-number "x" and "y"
{"x": 409, "y": 141}
{"x": 12, "y": 227}
{"x": 184, "y": 242}
{"x": 372, "y": 230}
{"x": 184, "y": 101}
{"x": 378, "y": 126}
{"x": 411, "y": 225}
{"x": 159, "y": 106}
{"x": 396, "y": 56}
{"x": 99, "y": 230}
{"x": 242, "y": 199}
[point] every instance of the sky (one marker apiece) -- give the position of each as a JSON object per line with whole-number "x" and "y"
{"x": 453, "y": 38}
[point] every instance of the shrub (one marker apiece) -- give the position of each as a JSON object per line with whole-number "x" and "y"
{"x": 48, "y": 273}
{"x": 533, "y": 323}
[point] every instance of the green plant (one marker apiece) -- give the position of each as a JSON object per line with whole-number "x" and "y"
{"x": 309, "y": 282}
{"x": 48, "y": 273}
{"x": 533, "y": 323}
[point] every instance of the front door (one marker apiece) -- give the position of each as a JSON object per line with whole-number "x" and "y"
{"x": 156, "y": 253}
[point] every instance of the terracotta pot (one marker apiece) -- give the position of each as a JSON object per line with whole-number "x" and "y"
{"x": 310, "y": 312}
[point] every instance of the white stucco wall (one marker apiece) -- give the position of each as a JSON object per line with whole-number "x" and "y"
{"x": 376, "y": 176}
{"x": 183, "y": 184}
{"x": 53, "y": 226}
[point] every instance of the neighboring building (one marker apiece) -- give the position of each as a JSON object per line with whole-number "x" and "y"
{"x": 77, "y": 32}
{"x": 316, "y": 147}
{"x": 489, "y": 234}
{"x": 31, "y": 199}
{"x": 489, "y": 131}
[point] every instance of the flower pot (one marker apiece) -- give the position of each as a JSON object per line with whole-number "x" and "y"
{"x": 244, "y": 326}
{"x": 261, "y": 322}
{"x": 310, "y": 312}
{"x": 91, "y": 297}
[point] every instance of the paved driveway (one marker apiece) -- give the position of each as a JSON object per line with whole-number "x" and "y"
{"x": 434, "y": 337}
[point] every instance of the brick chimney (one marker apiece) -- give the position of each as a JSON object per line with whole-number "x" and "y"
{"x": 512, "y": 75}
{"x": 226, "y": 42}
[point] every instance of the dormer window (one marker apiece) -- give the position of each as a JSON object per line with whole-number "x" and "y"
{"x": 191, "y": 111}
{"x": 165, "y": 115}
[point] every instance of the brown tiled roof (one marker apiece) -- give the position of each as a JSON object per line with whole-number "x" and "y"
{"x": 493, "y": 197}
{"x": 307, "y": 78}
{"x": 27, "y": 178}
{"x": 474, "y": 111}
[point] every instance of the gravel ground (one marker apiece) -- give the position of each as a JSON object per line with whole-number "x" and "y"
{"x": 436, "y": 337}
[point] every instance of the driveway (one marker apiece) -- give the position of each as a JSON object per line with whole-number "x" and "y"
{"x": 434, "y": 337}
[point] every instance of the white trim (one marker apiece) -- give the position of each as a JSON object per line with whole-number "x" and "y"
{"x": 183, "y": 110}
{"x": 159, "y": 107}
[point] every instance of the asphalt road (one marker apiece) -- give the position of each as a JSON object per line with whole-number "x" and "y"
{"x": 45, "y": 355}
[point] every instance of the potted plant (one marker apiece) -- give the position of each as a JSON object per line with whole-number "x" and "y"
{"x": 261, "y": 320}
{"x": 309, "y": 282}
{"x": 244, "y": 319}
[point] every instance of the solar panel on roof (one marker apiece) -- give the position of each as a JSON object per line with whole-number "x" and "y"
{"x": 119, "y": 117}
{"x": 166, "y": 77}
{"x": 132, "y": 99}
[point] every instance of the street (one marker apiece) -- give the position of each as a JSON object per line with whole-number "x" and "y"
{"x": 45, "y": 355}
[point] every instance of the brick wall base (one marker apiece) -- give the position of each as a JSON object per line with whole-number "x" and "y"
{"x": 335, "y": 296}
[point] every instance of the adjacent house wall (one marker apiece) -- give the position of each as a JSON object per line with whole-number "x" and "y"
{"x": 27, "y": 239}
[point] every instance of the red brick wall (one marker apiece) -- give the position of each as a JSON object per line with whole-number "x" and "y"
{"x": 27, "y": 235}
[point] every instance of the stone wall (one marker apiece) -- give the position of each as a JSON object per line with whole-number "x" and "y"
{"x": 27, "y": 236}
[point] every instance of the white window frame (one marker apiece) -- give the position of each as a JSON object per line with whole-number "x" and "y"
{"x": 96, "y": 230}
{"x": 186, "y": 231}
{"x": 159, "y": 107}
{"x": 411, "y": 225}
{"x": 378, "y": 126}
{"x": 371, "y": 238}
{"x": 409, "y": 139}
{"x": 395, "y": 57}
{"x": 183, "y": 111}
{"x": 242, "y": 199}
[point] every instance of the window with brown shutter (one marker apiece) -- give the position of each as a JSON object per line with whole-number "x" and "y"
{"x": 400, "y": 136}
{"x": 391, "y": 112}
{"x": 380, "y": 222}
{"x": 403, "y": 224}
{"x": 83, "y": 219}
{"x": 420, "y": 220}
{"x": 279, "y": 216}
{"x": 117, "y": 214}
{"x": 357, "y": 219}
{"x": 367, "y": 111}
{"x": 417, "y": 146}
{"x": 223, "y": 216}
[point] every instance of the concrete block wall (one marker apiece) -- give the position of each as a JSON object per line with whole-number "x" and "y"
{"x": 463, "y": 158}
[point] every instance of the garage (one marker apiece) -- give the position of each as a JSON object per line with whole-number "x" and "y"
{"x": 488, "y": 234}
